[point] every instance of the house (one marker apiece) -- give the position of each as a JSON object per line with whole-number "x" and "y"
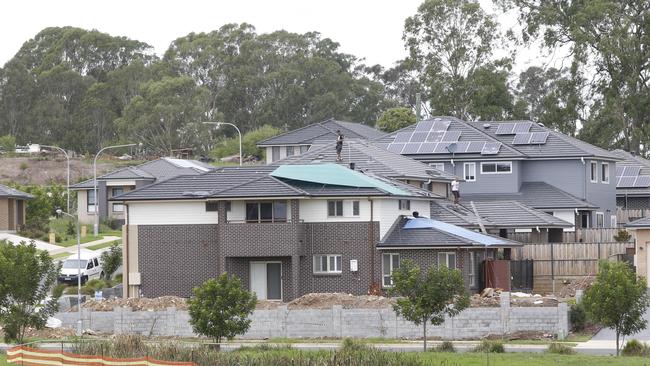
{"x": 641, "y": 232}
{"x": 632, "y": 181}
{"x": 517, "y": 161}
{"x": 12, "y": 208}
{"x": 298, "y": 141}
{"x": 126, "y": 179}
{"x": 284, "y": 230}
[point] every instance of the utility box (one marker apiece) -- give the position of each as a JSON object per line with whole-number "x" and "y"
{"x": 354, "y": 265}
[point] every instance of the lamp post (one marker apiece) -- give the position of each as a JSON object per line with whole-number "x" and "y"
{"x": 79, "y": 323}
{"x": 218, "y": 124}
{"x": 68, "y": 159}
{"x": 96, "y": 225}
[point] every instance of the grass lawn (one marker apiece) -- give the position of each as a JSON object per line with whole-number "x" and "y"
{"x": 3, "y": 359}
{"x": 73, "y": 241}
{"x": 61, "y": 255}
{"x": 103, "y": 245}
{"x": 527, "y": 359}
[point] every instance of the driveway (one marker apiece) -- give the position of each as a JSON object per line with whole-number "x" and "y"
{"x": 39, "y": 244}
{"x": 609, "y": 334}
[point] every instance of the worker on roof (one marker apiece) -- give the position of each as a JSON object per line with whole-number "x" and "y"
{"x": 339, "y": 145}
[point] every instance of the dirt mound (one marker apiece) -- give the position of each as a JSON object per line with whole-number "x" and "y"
{"x": 570, "y": 286}
{"x": 347, "y": 301}
{"x": 141, "y": 304}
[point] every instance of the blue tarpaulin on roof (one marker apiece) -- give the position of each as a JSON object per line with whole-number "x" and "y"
{"x": 425, "y": 223}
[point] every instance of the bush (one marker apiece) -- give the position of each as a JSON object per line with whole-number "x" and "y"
{"x": 622, "y": 236}
{"x": 560, "y": 349}
{"x": 7, "y": 143}
{"x": 577, "y": 317}
{"x": 488, "y": 346}
{"x": 445, "y": 346}
{"x": 350, "y": 345}
{"x": 636, "y": 348}
{"x": 118, "y": 279}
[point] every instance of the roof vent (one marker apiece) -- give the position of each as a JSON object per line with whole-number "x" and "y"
{"x": 540, "y": 124}
{"x": 486, "y": 125}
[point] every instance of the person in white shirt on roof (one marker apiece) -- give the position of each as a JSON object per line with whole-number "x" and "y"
{"x": 455, "y": 190}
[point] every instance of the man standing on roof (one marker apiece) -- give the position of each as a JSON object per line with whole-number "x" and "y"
{"x": 455, "y": 190}
{"x": 339, "y": 145}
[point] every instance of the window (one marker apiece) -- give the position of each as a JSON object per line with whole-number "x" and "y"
{"x": 275, "y": 153}
{"x": 275, "y": 211}
{"x": 117, "y": 207}
{"x": 92, "y": 202}
{"x": 390, "y": 262}
{"x": 211, "y": 206}
{"x": 594, "y": 172}
{"x": 117, "y": 191}
{"x": 472, "y": 269}
{"x": 228, "y": 206}
{"x": 327, "y": 263}
{"x": 604, "y": 173}
{"x": 447, "y": 259}
{"x": 496, "y": 168}
{"x": 469, "y": 172}
{"x": 355, "y": 208}
{"x": 96, "y": 262}
{"x": 334, "y": 208}
{"x": 404, "y": 204}
{"x": 304, "y": 149}
{"x": 600, "y": 219}
{"x": 90, "y": 265}
{"x": 290, "y": 151}
{"x": 612, "y": 221}
{"x": 439, "y": 166}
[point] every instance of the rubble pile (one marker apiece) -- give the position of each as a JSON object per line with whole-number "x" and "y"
{"x": 570, "y": 286}
{"x": 347, "y": 301}
{"x": 139, "y": 304}
{"x": 490, "y": 297}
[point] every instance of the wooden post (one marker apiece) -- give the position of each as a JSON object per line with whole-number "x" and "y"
{"x": 552, "y": 269}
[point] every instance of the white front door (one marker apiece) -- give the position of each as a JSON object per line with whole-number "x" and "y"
{"x": 266, "y": 280}
{"x": 258, "y": 279}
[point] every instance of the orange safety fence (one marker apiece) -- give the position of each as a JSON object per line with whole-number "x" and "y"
{"x": 22, "y": 355}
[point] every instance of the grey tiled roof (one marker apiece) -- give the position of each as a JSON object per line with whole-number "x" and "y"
{"x": 636, "y": 161}
{"x": 539, "y": 195}
{"x": 323, "y": 130}
{"x": 158, "y": 170}
{"x": 368, "y": 157}
{"x": 8, "y": 192}
{"x": 428, "y": 238}
{"x": 640, "y": 223}
{"x": 253, "y": 182}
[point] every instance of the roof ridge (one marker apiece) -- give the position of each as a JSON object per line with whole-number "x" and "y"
{"x": 494, "y": 139}
{"x": 292, "y": 131}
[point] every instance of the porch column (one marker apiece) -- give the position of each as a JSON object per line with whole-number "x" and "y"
{"x": 295, "y": 271}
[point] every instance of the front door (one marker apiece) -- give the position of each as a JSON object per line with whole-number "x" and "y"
{"x": 266, "y": 280}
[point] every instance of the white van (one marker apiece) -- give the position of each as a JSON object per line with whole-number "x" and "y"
{"x": 91, "y": 267}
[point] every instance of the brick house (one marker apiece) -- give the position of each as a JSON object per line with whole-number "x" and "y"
{"x": 12, "y": 208}
{"x": 285, "y": 231}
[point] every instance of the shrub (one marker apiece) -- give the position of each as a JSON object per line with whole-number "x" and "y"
{"x": 7, "y": 143}
{"x": 577, "y": 317}
{"x": 112, "y": 260}
{"x": 488, "y": 346}
{"x": 622, "y": 236}
{"x": 560, "y": 349}
{"x": 445, "y": 346}
{"x": 23, "y": 166}
{"x": 636, "y": 348}
{"x": 352, "y": 345}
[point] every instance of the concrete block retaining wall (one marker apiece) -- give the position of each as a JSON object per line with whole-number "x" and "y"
{"x": 337, "y": 322}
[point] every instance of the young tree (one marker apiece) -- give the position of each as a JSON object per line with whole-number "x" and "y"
{"x": 220, "y": 308}
{"x": 428, "y": 297}
{"x": 111, "y": 260}
{"x": 27, "y": 277}
{"x": 618, "y": 299}
{"x": 395, "y": 119}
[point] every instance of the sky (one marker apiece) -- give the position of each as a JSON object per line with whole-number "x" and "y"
{"x": 365, "y": 28}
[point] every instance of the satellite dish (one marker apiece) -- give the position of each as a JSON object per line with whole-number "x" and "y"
{"x": 452, "y": 147}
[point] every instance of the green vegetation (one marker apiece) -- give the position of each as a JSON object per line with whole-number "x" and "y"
{"x": 105, "y": 245}
{"x": 490, "y": 346}
{"x": 618, "y": 299}
{"x": 560, "y": 349}
{"x": 395, "y": 119}
{"x": 90, "y": 287}
{"x": 230, "y": 146}
{"x": 73, "y": 241}
{"x": 635, "y": 348}
{"x": 428, "y": 297}
{"x": 111, "y": 260}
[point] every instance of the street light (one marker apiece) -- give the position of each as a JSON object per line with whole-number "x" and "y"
{"x": 218, "y": 124}
{"x": 60, "y": 212}
{"x": 68, "y": 159}
{"x": 96, "y": 225}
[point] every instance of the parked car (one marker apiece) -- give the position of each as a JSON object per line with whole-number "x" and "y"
{"x": 90, "y": 264}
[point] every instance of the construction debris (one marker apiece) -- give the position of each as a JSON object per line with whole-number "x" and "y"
{"x": 136, "y": 304}
{"x": 347, "y": 301}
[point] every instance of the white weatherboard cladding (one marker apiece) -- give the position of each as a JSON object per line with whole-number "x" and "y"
{"x": 169, "y": 213}
{"x": 387, "y": 211}
{"x": 315, "y": 210}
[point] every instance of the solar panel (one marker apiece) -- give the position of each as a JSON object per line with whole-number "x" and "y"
{"x": 522, "y": 127}
{"x": 396, "y": 147}
{"x": 625, "y": 182}
{"x": 419, "y": 136}
{"x": 539, "y": 137}
{"x": 435, "y": 136}
{"x": 630, "y": 171}
{"x": 505, "y": 128}
{"x": 403, "y": 137}
{"x": 411, "y": 148}
{"x": 642, "y": 181}
{"x": 522, "y": 138}
{"x": 440, "y": 125}
{"x": 491, "y": 148}
{"x": 461, "y": 146}
{"x": 620, "y": 171}
{"x": 475, "y": 146}
{"x": 424, "y": 126}
{"x": 451, "y": 136}
{"x": 441, "y": 148}
{"x": 427, "y": 147}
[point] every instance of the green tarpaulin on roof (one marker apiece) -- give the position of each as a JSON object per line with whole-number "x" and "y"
{"x": 333, "y": 174}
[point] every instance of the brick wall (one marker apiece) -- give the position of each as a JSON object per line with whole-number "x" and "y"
{"x": 4, "y": 214}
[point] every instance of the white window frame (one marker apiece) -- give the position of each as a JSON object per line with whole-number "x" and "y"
{"x": 386, "y": 278}
{"x": 404, "y": 205}
{"x": 472, "y": 166}
{"x": 439, "y": 166}
{"x": 496, "y": 167}
{"x": 600, "y": 220}
{"x": 593, "y": 172}
{"x": 275, "y": 153}
{"x": 613, "y": 221}
{"x": 292, "y": 149}
{"x": 446, "y": 261}
{"x": 91, "y": 208}
{"x": 356, "y": 206}
{"x": 604, "y": 173}
{"x": 337, "y": 260}
{"x": 337, "y": 213}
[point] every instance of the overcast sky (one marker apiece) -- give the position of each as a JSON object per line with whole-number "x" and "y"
{"x": 364, "y": 28}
